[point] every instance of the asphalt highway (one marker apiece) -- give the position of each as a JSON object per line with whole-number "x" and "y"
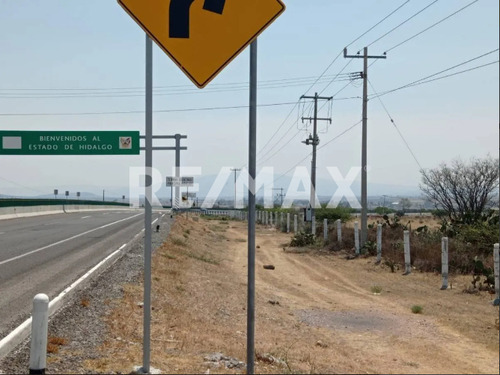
{"x": 45, "y": 254}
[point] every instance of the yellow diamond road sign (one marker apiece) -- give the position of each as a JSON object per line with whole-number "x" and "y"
{"x": 203, "y": 36}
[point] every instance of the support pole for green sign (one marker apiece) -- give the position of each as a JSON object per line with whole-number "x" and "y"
{"x": 252, "y": 151}
{"x": 148, "y": 208}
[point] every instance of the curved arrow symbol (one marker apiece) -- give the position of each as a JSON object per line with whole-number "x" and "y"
{"x": 179, "y": 15}
{"x": 216, "y": 6}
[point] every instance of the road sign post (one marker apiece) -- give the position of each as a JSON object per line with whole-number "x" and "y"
{"x": 252, "y": 167}
{"x": 18, "y": 142}
{"x": 148, "y": 214}
{"x": 202, "y": 38}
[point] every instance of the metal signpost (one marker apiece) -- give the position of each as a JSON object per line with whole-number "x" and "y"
{"x": 202, "y": 41}
{"x": 17, "y": 142}
{"x": 177, "y": 182}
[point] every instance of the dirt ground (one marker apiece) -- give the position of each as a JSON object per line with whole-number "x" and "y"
{"x": 316, "y": 312}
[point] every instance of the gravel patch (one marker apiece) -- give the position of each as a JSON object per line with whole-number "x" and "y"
{"x": 362, "y": 321}
{"x": 79, "y": 321}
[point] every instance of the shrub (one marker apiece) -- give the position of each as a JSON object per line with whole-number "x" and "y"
{"x": 333, "y": 214}
{"x": 377, "y": 289}
{"x": 302, "y": 239}
{"x": 417, "y": 309}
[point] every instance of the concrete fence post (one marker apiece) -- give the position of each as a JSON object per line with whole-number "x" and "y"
{"x": 407, "y": 252}
{"x": 444, "y": 262}
{"x": 496, "y": 267}
{"x": 325, "y": 229}
{"x": 295, "y": 223}
{"x": 288, "y": 222}
{"x": 339, "y": 230}
{"x": 313, "y": 226}
{"x": 281, "y": 219}
{"x": 379, "y": 243}
{"x": 39, "y": 330}
{"x": 356, "y": 237}
{"x": 271, "y": 218}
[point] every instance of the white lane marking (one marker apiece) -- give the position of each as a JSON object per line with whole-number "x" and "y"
{"x": 69, "y": 288}
{"x": 154, "y": 221}
{"x": 86, "y": 217}
{"x": 66, "y": 240}
{"x": 122, "y": 246}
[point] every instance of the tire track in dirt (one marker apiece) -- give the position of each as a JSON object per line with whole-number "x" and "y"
{"x": 322, "y": 286}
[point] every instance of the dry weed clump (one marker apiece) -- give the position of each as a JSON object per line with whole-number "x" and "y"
{"x": 54, "y": 342}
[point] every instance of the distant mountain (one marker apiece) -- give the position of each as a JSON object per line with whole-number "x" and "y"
{"x": 325, "y": 190}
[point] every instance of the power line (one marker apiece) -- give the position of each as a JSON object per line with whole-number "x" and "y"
{"x": 354, "y": 41}
{"x": 341, "y": 134}
{"x": 427, "y": 79}
{"x": 395, "y": 126}
{"x": 334, "y": 78}
{"x": 141, "y": 112}
{"x": 319, "y": 148}
{"x": 402, "y": 23}
{"x": 433, "y": 25}
{"x": 281, "y": 148}
{"x": 276, "y": 132}
{"x": 428, "y": 28}
{"x": 159, "y": 91}
{"x": 329, "y": 83}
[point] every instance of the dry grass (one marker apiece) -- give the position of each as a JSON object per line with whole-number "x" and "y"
{"x": 85, "y": 302}
{"x": 52, "y": 348}
{"x": 54, "y": 342}
{"x": 199, "y": 308}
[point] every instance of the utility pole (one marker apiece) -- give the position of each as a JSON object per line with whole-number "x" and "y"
{"x": 281, "y": 195}
{"x": 364, "y": 193}
{"x": 235, "y": 170}
{"x": 314, "y": 141}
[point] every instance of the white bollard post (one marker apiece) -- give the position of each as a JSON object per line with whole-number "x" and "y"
{"x": 356, "y": 237}
{"x": 288, "y": 222}
{"x": 325, "y": 229}
{"x": 295, "y": 223}
{"x": 444, "y": 262}
{"x": 379, "y": 243}
{"x": 496, "y": 267}
{"x": 339, "y": 230}
{"x": 407, "y": 252}
{"x": 39, "y": 330}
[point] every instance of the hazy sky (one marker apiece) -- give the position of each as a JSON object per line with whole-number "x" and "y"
{"x": 77, "y": 57}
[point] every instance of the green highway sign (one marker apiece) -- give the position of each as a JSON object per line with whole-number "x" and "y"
{"x": 14, "y": 142}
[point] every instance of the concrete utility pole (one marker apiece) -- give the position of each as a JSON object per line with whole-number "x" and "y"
{"x": 314, "y": 141}
{"x": 364, "y": 195}
{"x": 281, "y": 195}
{"x": 235, "y": 170}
